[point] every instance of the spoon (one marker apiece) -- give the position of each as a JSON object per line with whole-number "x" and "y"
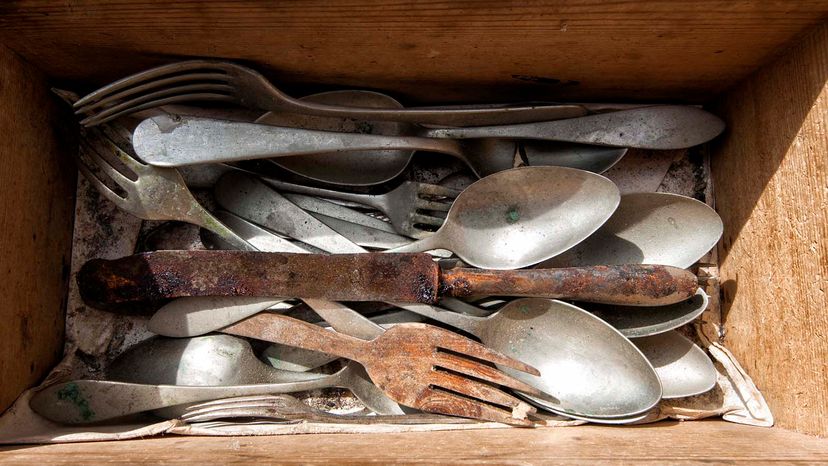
{"x": 367, "y": 167}
{"x": 221, "y": 360}
{"x": 683, "y": 368}
{"x": 636, "y": 322}
{"x": 588, "y": 369}
{"x": 522, "y": 216}
{"x": 648, "y": 228}
{"x": 175, "y": 140}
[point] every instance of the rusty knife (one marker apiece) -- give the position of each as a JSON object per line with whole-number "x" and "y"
{"x": 413, "y": 278}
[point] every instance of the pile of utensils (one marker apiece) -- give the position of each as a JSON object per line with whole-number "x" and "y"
{"x": 537, "y": 287}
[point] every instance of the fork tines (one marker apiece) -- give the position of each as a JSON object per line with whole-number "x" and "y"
{"x": 194, "y": 80}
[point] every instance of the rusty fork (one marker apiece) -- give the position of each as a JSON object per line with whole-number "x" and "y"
{"x": 417, "y": 365}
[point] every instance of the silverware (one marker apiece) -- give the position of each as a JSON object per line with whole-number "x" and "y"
{"x": 407, "y": 206}
{"x": 288, "y": 408}
{"x": 220, "y": 81}
{"x": 648, "y": 228}
{"x": 90, "y": 401}
{"x": 155, "y": 193}
{"x": 588, "y": 369}
{"x": 522, "y": 216}
{"x": 417, "y": 365}
{"x": 683, "y": 368}
{"x": 180, "y": 140}
{"x": 361, "y": 168}
{"x": 225, "y": 360}
{"x": 174, "y": 140}
{"x": 406, "y": 278}
{"x": 656, "y": 127}
{"x": 636, "y": 321}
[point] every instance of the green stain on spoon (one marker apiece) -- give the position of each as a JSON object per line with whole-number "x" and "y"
{"x": 72, "y": 393}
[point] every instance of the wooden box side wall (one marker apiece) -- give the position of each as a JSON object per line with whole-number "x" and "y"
{"x": 37, "y": 188}
{"x": 771, "y": 184}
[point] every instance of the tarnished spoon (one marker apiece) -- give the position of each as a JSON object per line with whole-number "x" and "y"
{"x": 222, "y": 360}
{"x": 636, "y": 322}
{"x": 588, "y": 369}
{"x": 522, "y": 216}
{"x": 648, "y": 228}
{"x": 683, "y": 368}
{"x": 360, "y": 168}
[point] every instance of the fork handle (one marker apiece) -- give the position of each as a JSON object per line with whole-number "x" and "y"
{"x": 174, "y": 141}
{"x": 285, "y": 330}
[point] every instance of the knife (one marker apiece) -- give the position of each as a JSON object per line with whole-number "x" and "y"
{"x": 411, "y": 278}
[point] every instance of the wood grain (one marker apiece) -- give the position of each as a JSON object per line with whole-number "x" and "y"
{"x": 37, "y": 183}
{"x": 423, "y": 51}
{"x": 665, "y": 443}
{"x": 771, "y": 181}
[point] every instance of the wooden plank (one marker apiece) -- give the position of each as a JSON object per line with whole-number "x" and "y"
{"x": 771, "y": 181}
{"x": 665, "y": 443}
{"x": 37, "y": 183}
{"x": 429, "y": 51}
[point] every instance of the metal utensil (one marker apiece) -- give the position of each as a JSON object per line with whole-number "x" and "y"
{"x": 89, "y": 401}
{"x": 250, "y": 198}
{"x": 522, "y": 216}
{"x": 286, "y": 407}
{"x": 588, "y": 368}
{"x": 683, "y": 368}
{"x": 178, "y": 141}
{"x": 408, "y": 278}
{"x": 595, "y": 159}
{"x": 417, "y": 365}
{"x": 361, "y": 168}
{"x": 636, "y": 321}
{"x": 175, "y": 140}
{"x": 222, "y": 360}
{"x": 155, "y": 194}
{"x": 221, "y": 81}
{"x": 648, "y": 228}
{"x": 407, "y": 205}
{"x": 656, "y": 127}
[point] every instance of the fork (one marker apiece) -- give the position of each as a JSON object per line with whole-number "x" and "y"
{"x": 220, "y": 81}
{"x": 156, "y": 193}
{"x": 404, "y": 205}
{"x": 288, "y": 408}
{"x": 417, "y": 365}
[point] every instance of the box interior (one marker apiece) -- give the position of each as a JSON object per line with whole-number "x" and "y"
{"x": 760, "y": 65}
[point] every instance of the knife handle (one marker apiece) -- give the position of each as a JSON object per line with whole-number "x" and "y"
{"x": 631, "y": 285}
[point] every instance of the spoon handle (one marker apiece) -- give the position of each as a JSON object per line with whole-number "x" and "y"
{"x": 88, "y": 401}
{"x": 174, "y": 141}
{"x": 632, "y": 285}
{"x": 658, "y": 127}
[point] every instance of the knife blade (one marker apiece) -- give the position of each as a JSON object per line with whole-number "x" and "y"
{"x": 411, "y": 278}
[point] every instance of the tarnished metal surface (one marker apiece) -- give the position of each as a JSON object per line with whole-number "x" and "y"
{"x": 213, "y": 80}
{"x": 412, "y": 278}
{"x": 658, "y": 127}
{"x": 160, "y": 275}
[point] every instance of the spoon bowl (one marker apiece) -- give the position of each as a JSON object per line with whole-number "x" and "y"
{"x": 638, "y": 321}
{"x": 683, "y": 368}
{"x": 523, "y": 216}
{"x": 588, "y": 368}
{"x": 648, "y": 228}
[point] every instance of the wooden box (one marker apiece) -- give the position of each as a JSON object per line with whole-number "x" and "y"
{"x": 762, "y": 65}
